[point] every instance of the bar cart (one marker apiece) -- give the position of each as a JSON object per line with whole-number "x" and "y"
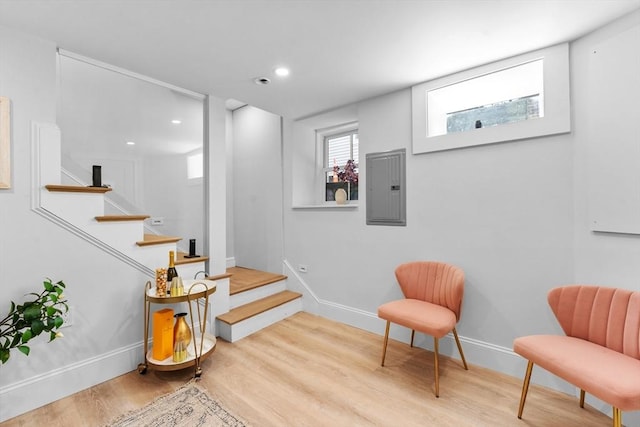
{"x": 202, "y": 344}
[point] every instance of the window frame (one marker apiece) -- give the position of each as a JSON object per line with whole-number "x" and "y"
{"x": 556, "y": 104}
{"x": 322, "y": 135}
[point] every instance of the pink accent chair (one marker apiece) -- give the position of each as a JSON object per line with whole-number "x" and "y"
{"x": 433, "y": 300}
{"x": 600, "y": 353}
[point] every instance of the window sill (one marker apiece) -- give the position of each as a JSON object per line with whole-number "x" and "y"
{"x": 328, "y": 206}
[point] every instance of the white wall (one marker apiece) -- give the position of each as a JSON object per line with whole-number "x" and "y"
{"x": 104, "y": 293}
{"x": 512, "y": 215}
{"x": 257, "y": 189}
{"x": 501, "y": 212}
{"x": 601, "y": 258}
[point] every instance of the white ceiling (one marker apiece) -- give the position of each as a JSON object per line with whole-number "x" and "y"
{"x": 339, "y": 52}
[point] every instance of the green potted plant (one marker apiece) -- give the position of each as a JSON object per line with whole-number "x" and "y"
{"x": 43, "y": 313}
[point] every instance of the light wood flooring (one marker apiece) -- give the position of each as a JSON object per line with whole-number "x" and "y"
{"x": 310, "y": 371}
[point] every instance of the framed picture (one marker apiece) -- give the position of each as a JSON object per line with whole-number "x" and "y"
{"x": 5, "y": 142}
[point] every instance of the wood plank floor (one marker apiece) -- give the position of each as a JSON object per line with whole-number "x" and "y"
{"x": 310, "y": 371}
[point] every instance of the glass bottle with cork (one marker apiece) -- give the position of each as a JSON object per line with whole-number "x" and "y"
{"x": 171, "y": 271}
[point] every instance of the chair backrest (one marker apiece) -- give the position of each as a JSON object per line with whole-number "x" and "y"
{"x": 435, "y": 282}
{"x": 606, "y": 316}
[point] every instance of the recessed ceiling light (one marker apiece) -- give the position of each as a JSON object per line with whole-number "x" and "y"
{"x": 262, "y": 81}
{"x": 131, "y": 143}
{"x": 176, "y": 121}
{"x": 282, "y": 71}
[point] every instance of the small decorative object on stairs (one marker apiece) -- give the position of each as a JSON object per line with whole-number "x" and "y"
{"x": 23, "y": 322}
{"x": 97, "y": 176}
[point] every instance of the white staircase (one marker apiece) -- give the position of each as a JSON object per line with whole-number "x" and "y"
{"x": 82, "y": 210}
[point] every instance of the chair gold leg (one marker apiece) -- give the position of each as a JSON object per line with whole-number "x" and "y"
{"x": 464, "y": 361}
{"x": 413, "y": 333}
{"x": 435, "y": 352}
{"x": 384, "y": 344}
{"x": 525, "y": 388}
{"x": 617, "y": 417}
{"x": 581, "y": 398}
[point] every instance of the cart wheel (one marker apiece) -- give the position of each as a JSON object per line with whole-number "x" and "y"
{"x": 142, "y": 368}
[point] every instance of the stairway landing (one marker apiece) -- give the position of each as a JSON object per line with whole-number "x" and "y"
{"x": 244, "y": 279}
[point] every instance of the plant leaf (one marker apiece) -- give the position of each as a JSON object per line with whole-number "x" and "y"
{"x": 24, "y": 349}
{"x": 51, "y": 311}
{"x": 37, "y": 326}
{"x": 48, "y": 285}
{"x": 32, "y": 312}
{"x": 4, "y": 355}
{"x": 26, "y": 336}
{"x": 16, "y": 340}
{"x": 59, "y": 321}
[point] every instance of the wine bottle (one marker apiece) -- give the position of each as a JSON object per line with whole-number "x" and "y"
{"x": 171, "y": 271}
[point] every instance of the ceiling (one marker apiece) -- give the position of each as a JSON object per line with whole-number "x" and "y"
{"x": 339, "y": 52}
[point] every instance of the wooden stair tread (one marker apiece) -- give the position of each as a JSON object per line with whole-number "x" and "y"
{"x": 181, "y": 259}
{"x": 251, "y": 309}
{"x": 244, "y": 279}
{"x": 76, "y": 189}
{"x": 110, "y": 218}
{"x": 155, "y": 239}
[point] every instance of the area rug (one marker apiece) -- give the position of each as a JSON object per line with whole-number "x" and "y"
{"x": 189, "y": 406}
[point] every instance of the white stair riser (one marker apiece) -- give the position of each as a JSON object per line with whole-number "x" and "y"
{"x": 255, "y": 294}
{"x": 76, "y": 208}
{"x": 233, "y": 333}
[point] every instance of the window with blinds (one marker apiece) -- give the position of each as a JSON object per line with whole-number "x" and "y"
{"x": 341, "y": 164}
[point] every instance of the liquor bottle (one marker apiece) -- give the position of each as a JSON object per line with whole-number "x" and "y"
{"x": 171, "y": 271}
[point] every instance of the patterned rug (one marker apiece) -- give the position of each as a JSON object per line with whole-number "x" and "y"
{"x": 189, "y": 406}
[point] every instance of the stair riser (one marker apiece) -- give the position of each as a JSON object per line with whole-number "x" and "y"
{"x": 233, "y": 333}
{"x": 251, "y": 295}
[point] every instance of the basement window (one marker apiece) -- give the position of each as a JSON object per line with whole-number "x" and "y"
{"x": 340, "y": 166}
{"x": 521, "y": 97}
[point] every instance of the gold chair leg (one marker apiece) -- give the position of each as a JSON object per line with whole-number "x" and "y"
{"x": 617, "y": 417}
{"x": 435, "y": 352}
{"x": 525, "y": 388}
{"x": 413, "y": 333}
{"x": 384, "y": 344}
{"x": 581, "y": 398}
{"x": 464, "y": 361}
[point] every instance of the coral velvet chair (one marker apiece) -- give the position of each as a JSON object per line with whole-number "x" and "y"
{"x": 600, "y": 351}
{"x": 433, "y": 300}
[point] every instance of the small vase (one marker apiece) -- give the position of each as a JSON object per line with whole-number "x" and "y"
{"x": 341, "y": 196}
{"x": 181, "y": 336}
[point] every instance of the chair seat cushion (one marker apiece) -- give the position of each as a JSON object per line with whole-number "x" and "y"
{"x": 608, "y": 375}
{"x": 422, "y": 316}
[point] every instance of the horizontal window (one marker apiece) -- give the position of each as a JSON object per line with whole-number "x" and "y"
{"x": 520, "y": 97}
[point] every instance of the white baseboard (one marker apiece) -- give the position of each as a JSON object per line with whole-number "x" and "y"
{"x": 27, "y": 395}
